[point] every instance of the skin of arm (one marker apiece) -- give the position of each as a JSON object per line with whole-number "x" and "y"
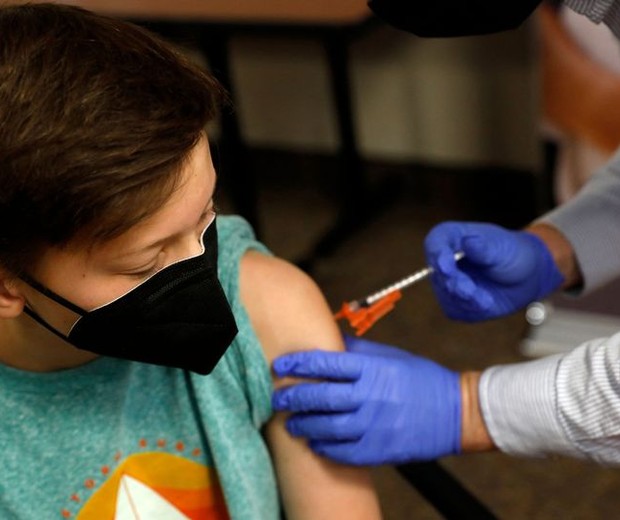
{"x": 474, "y": 434}
{"x": 289, "y": 313}
{"x": 561, "y": 251}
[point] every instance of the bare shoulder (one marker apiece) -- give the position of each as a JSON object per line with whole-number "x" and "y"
{"x": 286, "y": 307}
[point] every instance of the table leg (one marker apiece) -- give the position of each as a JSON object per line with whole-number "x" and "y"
{"x": 357, "y": 206}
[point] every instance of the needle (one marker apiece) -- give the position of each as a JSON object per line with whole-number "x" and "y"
{"x": 364, "y": 313}
{"x": 412, "y": 279}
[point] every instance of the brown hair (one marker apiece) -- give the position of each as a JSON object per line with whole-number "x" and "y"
{"x": 97, "y": 117}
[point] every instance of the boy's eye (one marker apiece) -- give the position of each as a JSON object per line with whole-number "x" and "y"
{"x": 144, "y": 273}
{"x": 147, "y": 270}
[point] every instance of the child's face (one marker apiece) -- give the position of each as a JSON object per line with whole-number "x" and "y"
{"x": 93, "y": 277}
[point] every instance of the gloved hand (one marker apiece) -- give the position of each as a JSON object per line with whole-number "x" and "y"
{"x": 380, "y": 404}
{"x": 502, "y": 272}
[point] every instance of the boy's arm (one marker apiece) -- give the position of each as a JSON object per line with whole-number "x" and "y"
{"x": 289, "y": 313}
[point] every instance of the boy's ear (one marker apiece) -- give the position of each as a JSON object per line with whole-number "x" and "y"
{"x": 11, "y": 298}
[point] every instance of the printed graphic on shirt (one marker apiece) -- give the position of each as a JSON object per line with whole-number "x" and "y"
{"x": 156, "y": 485}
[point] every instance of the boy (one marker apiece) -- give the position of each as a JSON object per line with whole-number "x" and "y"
{"x": 133, "y": 384}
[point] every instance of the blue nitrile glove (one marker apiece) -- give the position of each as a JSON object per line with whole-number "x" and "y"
{"x": 380, "y": 404}
{"x": 502, "y": 272}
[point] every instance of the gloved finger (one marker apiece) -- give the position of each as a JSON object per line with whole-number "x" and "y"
{"x": 372, "y": 348}
{"x": 445, "y": 263}
{"x": 461, "y": 286}
{"x": 462, "y": 290}
{"x": 443, "y": 239}
{"x": 325, "y": 427}
{"x": 473, "y": 309}
{"x": 480, "y": 251}
{"x": 343, "y": 452}
{"x": 319, "y": 364}
{"x": 316, "y": 397}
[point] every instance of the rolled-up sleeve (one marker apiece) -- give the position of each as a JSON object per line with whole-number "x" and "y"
{"x": 591, "y": 223}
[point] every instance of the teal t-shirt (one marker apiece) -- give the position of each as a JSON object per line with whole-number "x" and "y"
{"x": 114, "y": 439}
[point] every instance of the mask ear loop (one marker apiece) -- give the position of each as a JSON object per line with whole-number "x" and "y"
{"x": 52, "y": 295}
{"x": 28, "y": 311}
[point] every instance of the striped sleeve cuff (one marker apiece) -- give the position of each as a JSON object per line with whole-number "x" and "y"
{"x": 518, "y": 405}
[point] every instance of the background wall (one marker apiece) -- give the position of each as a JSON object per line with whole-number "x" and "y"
{"x": 463, "y": 101}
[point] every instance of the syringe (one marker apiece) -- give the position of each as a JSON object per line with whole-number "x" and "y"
{"x": 408, "y": 281}
{"x": 365, "y": 312}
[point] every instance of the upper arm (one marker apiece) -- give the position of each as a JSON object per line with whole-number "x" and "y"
{"x": 289, "y": 313}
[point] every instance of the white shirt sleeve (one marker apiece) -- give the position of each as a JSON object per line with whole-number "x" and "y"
{"x": 590, "y": 223}
{"x": 566, "y": 404}
{"x": 605, "y": 11}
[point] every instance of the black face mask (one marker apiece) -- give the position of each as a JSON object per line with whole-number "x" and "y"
{"x": 179, "y": 317}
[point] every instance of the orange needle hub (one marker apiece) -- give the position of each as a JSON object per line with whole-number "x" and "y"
{"x": 362, "y": 318}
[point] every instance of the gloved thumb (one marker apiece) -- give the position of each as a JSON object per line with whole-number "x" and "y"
{"x": 478, "y": 250}
{"x": 371, "y": 348}
{"x": 359, "y": 345}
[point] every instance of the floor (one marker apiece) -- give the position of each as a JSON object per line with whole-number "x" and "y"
{"x": 298, "y": 200}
